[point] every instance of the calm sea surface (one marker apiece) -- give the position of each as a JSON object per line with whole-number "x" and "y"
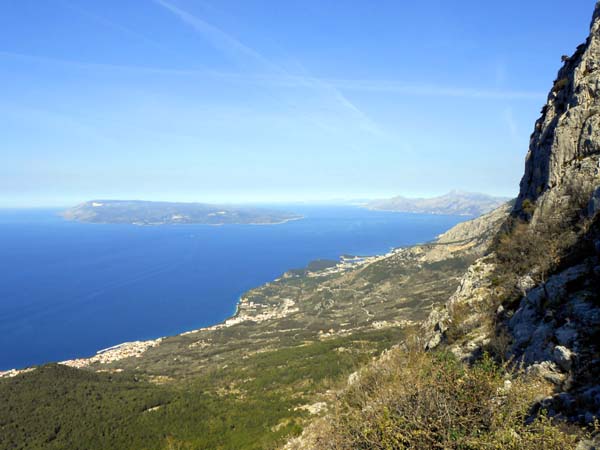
{"x": 69, "y": 289}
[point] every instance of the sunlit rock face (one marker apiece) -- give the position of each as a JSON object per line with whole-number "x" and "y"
{"x": 553, "y": 323}
{"x": 562, "y": 164}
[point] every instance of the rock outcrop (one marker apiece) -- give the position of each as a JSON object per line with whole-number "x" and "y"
{"x": 463, "y": 309}
{"x": 542, "y": 313}
{"x": 562, "y": 165}
{"x": 553, "y": 328}
{"x": 555, "y": 334}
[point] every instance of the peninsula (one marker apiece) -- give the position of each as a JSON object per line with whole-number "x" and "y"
{"x": 453, "y": 203}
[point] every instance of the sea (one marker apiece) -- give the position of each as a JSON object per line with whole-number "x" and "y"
{"x": 69, "y": 289}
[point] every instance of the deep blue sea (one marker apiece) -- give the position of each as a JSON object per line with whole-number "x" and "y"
{"x": 69, "y": 289}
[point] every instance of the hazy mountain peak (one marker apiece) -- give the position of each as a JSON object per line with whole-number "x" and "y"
{"x": 455, "y": 202}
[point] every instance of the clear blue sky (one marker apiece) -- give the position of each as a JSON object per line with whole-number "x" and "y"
{"x": 249, "y": 100}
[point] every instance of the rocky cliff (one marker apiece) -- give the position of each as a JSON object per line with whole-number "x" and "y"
{"x": 562, "y": 165}
{"x": 531, "y": 301}
{"x": 555, "y": 326}
{"x": 534, "y": 299}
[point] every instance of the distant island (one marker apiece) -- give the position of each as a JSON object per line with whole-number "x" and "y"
{"x": 453, "y": 203}
{"x": 138, "y": 212}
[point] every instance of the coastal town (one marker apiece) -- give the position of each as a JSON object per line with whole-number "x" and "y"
{"x": 246, "y": 311}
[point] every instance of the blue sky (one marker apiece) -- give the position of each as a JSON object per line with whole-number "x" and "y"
{"x": 250, "y": 100}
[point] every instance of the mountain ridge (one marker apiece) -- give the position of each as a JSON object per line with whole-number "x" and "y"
{"x": 540, "y": 277}
{"x": 455, "y": 202}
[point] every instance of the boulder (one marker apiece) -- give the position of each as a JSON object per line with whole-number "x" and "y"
{"x": 549, "y": 371}
{"x": 563, "y": 357}
{"x": 524, "y": 284}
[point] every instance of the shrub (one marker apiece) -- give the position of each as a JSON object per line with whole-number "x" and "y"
{"x": 560, "y": 84}
{"x": 418, "y": 400}
{"x": 528, "y": 206}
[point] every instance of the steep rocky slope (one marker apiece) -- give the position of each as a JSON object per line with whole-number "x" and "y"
{"x": 556, "y": 325}
{"x": 542, "y": 275}
{"x": 532, "y": 302}
{"x": 562, "y": 162}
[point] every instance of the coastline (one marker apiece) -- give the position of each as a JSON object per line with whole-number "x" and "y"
{"x": 158, "y": 224}
{"x": 291, "y": 219}
{"x": 245, "y": 311}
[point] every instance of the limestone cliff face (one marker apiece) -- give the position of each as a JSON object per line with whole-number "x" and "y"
{"x": 543, "y": 316}
{"x": 559, "y": 319}
{"x": 562, "y": 162}
{"x": 553, "y": 327}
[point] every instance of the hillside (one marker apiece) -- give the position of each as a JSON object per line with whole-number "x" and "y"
{"x": 160, "y": 213}
{"x": 253, "y": 380}
{"x": 452, "y": 203}
{"x": 544, "y": 267}
{"x": 520, "y": 336}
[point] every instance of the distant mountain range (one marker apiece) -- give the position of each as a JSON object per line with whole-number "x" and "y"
{"x": 139, "y": 212}
{"x": 452, "y": 203}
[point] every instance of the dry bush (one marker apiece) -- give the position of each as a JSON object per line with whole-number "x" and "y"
{"x": 500, "y": 341}
{"x": 465, "y": 319}
{"x": 420, "y": 400}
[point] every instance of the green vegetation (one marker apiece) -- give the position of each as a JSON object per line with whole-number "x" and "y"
{"x": 528, "y": 206}
{"x": 524, "y": 250}
{"x": 418, "y": 400}
{"x": 560, "y": 84}
{"x": 249, "y": 404}
{"x": 57, "y": 405}
{"x": 251, "y": 384}
{"x": 314, "y": 266}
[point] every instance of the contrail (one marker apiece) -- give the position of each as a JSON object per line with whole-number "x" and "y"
{"x": 238, "y": 50}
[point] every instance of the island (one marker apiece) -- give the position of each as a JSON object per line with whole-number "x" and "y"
{"x": 138, "y": 212}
